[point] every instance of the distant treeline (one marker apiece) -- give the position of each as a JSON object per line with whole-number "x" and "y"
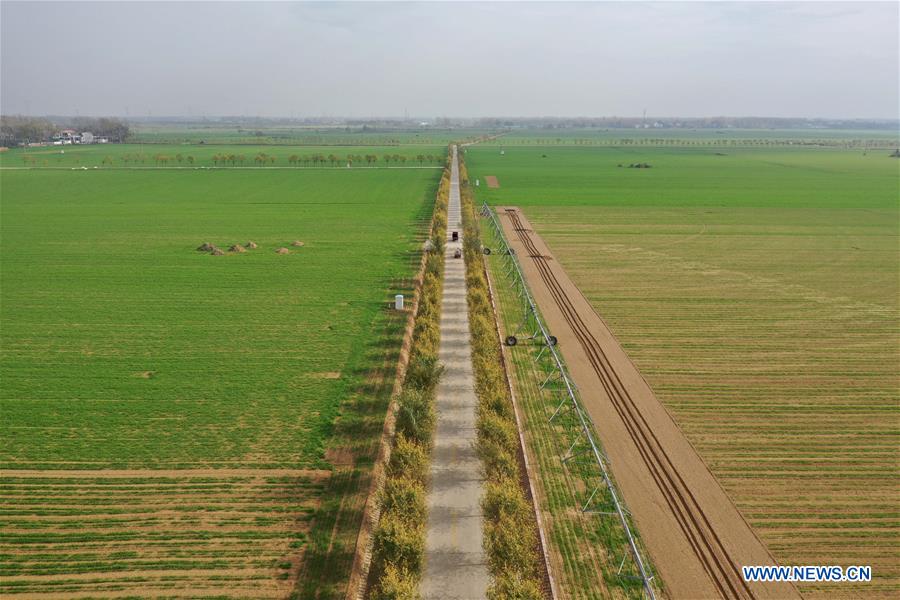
{"x": 378, "y": 125}
{"x": 18, "y": 129}
{"x": 683, "y": 123}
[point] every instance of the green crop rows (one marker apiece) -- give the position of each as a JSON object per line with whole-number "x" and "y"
{"x": 127, "y": 356}
{"x": 757, "y": 291}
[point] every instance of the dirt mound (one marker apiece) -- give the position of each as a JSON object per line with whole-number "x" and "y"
{"x": 205, "y": 247}
{"x": 251, "y": 245}
{"x": 282, "y": 251}
{"x": 297, "y": 243}
{"x": 217, "y": 252}
{"x": 237, "y": 248}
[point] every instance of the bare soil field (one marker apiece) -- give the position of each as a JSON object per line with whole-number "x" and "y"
{"x": 696, "y": 537}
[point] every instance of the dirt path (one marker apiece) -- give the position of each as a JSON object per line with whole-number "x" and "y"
{"x": 455, "y": 565}
{"x": 695, "y": 535}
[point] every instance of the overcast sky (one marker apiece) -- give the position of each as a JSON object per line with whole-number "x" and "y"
{"x": 813, "y": 59}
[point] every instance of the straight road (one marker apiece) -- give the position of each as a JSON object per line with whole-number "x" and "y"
{"x": 455, "y": 565}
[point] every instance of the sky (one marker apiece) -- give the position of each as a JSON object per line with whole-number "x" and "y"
{"x": 459, "y": 59}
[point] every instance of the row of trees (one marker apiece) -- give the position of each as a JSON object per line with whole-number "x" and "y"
{"x": 262, "y": 159}
{"x": 369, "y": 159}
{"x": 676, "y": 123}
{"x": 165, "y": 159}
{"x": 705, "y": 141}
{"x": 232, "y": 159}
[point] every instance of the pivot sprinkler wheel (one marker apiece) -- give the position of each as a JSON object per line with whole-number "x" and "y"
{"x": 551, "y": 340}
{"x": 486, "y": 251}
{"x": 511, "y": 340}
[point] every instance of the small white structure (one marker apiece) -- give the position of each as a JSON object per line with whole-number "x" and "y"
{"x": 87, "y": 137}
{"x": 398, "y": 302}
{"x": 477, "y": 182}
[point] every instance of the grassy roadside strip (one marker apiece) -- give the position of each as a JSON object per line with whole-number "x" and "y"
{"x": 511, "y": 537}
{"x": 398, "y": 542}
{"x": 335, "y": 563}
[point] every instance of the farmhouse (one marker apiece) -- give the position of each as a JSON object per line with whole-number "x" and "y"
{"x": 70, "y": 136}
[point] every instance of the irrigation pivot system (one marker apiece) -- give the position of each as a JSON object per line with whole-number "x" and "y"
{"x": 560, "y": 388}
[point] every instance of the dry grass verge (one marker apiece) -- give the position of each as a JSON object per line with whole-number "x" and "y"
{"x": 398, "y": 549}
{"x": 510, "y": 529}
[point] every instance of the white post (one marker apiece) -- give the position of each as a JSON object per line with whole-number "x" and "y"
{"x": 398, "y": 302}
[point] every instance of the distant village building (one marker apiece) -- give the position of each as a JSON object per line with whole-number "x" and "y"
{"x": 70, "y": 136}
{"x": 65, "y": 137}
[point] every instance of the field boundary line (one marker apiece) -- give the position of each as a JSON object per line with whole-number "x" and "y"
{"x": 362, "y": 559}
{"x": 203, "y": 168}
{"x": 7, "y": 473}
{"x": 532, "y": 495}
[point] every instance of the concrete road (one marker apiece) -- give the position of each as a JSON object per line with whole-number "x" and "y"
{"x": 455, "y": 565}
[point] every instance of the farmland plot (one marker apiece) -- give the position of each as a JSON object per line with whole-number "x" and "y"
{"x": 758, "y": 294}
{"x": 222, "y": 155}
{"x": 171, "y": 419}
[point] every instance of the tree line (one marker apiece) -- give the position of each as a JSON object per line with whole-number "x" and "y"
{"x": 261, "y": 159}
